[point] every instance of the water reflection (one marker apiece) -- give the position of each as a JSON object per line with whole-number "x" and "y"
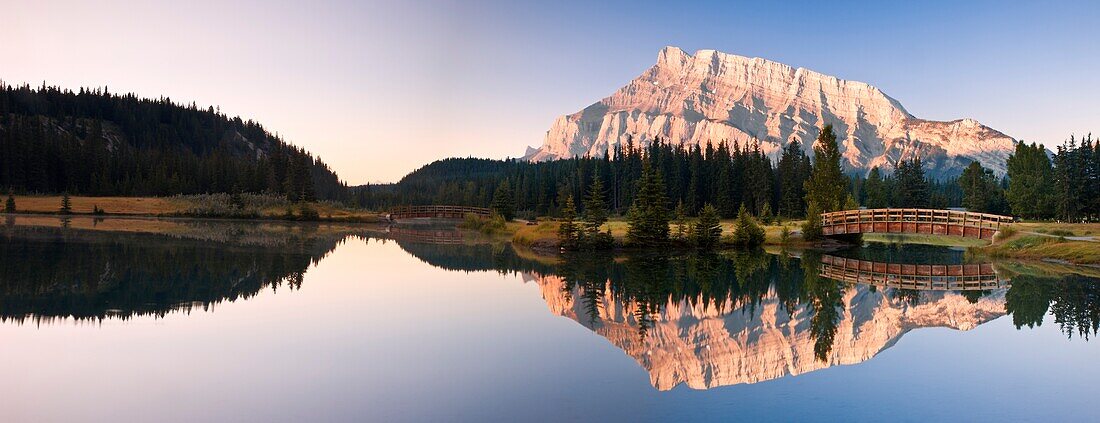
{"x": 703, "y": 320}
{"x": 59, "y": 272}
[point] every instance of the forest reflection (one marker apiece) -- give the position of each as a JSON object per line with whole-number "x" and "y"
{"x": 704, "y": 319}
{"x": 743, "y": 317}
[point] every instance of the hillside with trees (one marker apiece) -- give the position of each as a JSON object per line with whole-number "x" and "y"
{"x": 93, "y": 142}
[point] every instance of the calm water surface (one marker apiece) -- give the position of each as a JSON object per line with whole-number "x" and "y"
{"x": 141, "y": 320}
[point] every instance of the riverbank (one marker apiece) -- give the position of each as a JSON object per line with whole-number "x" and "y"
{"x": 544, "y": 234}
{"x": 251, "y": 207}
{"x": 1057, "y": 242}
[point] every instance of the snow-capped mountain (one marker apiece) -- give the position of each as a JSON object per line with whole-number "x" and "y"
{"x": 714, "y": 96}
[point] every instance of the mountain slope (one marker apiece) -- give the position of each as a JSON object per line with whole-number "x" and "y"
{"x": 92, "y": 142}
{"x": 714, "y": 96}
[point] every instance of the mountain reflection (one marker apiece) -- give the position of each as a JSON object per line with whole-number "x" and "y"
{"x": 699, "y": 319}
{"x": 709, "y": 320}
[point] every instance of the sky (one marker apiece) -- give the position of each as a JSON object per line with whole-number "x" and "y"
{"x": 380, "y": 88}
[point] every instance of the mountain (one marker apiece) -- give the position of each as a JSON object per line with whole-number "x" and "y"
{"x": 714, "y": 96}
{"x": 706, "y": 346}
{"x": 93, "y": 142}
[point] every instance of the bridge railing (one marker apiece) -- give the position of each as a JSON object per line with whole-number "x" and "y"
{"x": 930, "y": 221}
{"x": 437, "y": 211}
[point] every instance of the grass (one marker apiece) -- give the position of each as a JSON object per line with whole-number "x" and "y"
{"x": 1059, "y": 228}
{"x": 545, "y": 233}
{"x": 150, "y": 206}
{"x": 184, "y": 206}
{"x": 946, "y": 241}
{"x": 1041, "y": 247}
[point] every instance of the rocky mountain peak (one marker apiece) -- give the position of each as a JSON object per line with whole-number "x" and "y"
{"x": 715, "y": 97}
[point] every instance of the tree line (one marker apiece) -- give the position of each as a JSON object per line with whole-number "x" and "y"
{"x": 93, "y": 142}
{"x": 724, "y": 175}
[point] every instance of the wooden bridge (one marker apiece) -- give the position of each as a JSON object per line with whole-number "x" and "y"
{"x": 436, "y": 212}
{"x": 924, "y": 277}
{"x": 913, "y": 221}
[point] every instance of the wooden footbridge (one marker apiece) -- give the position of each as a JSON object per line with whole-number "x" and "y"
{"x": 913, "y": 221}
{"x": 436, "y": 212}
{"x": 923, "y": 277}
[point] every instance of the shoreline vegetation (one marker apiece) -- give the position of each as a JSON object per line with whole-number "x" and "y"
{"x": 212, "y": 206}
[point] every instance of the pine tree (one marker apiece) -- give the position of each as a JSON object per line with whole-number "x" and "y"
{"x": 567, "y": 230}
{"x": 708, "y": 229}
{"x": 648, "y": 217}
{"x": 766, "y": 214}
{"x": 981, "y": 190}
{"x": 812, "y": 228}
{"x": 680, "y": 213}
{"x": 595, "y": 215}
{"x": 595, "y": 208}
{"x": 826, "y": 185}
{"x": 911, "y": 187}
{"x": 66, "y": 204}
{"x": 746, "y": 232}
{"x": 504, "y": 203}
{"x": 874, "y": 190}
{"x": 1030, "y": 178}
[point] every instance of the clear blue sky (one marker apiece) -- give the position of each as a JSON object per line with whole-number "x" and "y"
{"x": 379, "y": 88}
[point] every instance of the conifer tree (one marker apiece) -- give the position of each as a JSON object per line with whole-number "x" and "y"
{"x": 680, "y": 213}
{"x": 1030, "y": 178}
{"x": 911, "y": 187}
{"x": 746, "y": 232}
{"x": 648, "y": 216}
{"x": 503, "y": 202}
{"x": 766, "y": 214}
{"x": 812, "y": 228}
{"x": 9, "y": 205}
{"x": 595, "y": 208}
{"x": 794, "y": 167}
{"x": 981, "y": 190}
{"x": 874, "y": 190}
{"x": 567, "y": 230}
{"x": 708, "y": 229}
{"x": 66, "y": 204}
{"x": 826, "y": 184}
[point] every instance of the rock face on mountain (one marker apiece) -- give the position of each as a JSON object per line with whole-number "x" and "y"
{"x": 713, "y": 97}
{"x": 703, "y": 347}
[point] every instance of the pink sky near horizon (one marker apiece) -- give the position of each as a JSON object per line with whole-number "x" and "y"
{"x": 377, "y": 89}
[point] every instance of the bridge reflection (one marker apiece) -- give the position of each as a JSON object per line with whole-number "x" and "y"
{"x": 430, "y": 236}
{"x": 924, "y": 277}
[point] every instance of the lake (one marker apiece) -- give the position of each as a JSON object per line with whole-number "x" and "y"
{"x": 178, "y": 320}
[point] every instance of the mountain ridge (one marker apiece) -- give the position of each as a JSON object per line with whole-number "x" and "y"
{"x": 714, "y": 97}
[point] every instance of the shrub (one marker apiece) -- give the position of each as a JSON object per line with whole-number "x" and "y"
{"x": 1004, "y": 233}
{"x": 487, "y": 226}
{"x": 233, "y": 205}
{"x": 306, "y": 212}
{"x": 811, "y": 230}
{"x": 747, "y": 233}
{"x": 708, "y": 230}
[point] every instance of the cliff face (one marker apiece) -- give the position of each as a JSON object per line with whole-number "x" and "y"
{"x": 705, "y": 348}
{"x": 714, "y": 96}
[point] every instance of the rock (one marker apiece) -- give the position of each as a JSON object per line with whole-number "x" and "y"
{"x": 713, "y": 97}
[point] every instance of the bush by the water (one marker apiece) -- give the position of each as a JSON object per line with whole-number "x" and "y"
{"x": 708, "y": 229}
{"x": 232, "y": 205}
{"x": 747, "y": 233}
{"x": 488, "y": 226}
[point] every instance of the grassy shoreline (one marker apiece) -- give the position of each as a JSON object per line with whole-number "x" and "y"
{"x": 192, "y": 207}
